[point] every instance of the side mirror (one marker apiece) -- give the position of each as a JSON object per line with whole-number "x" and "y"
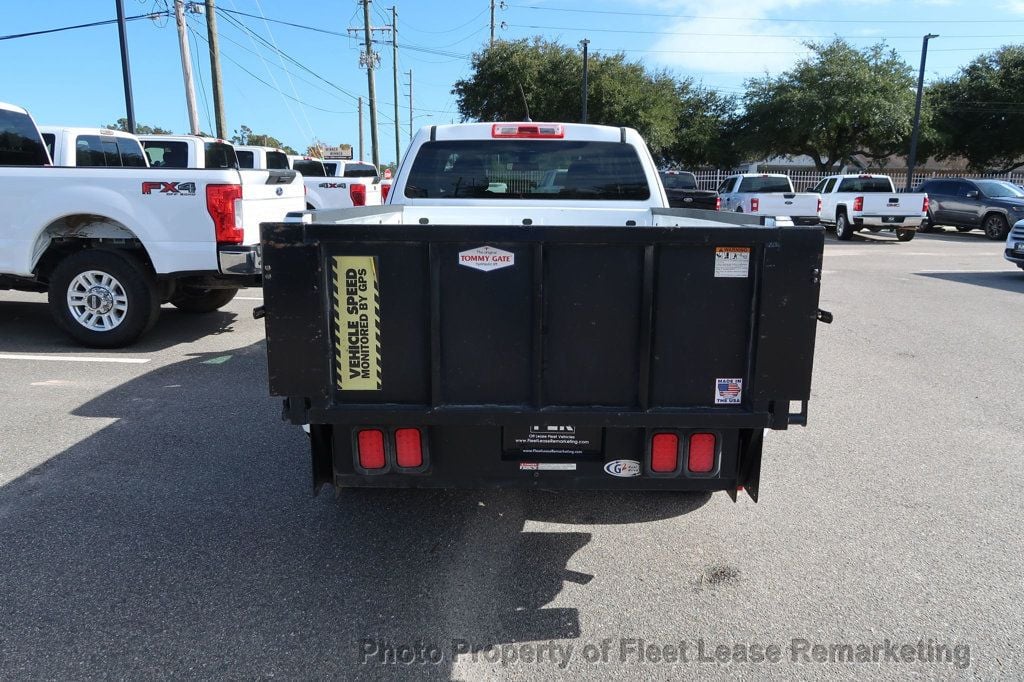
{"x": 973, "y": 194}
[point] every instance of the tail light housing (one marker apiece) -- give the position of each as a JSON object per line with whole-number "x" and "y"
{"x": 701, "y": 453}
{"x": 408, "y": 448}
{"x": 664, "y": 453}
{"x": 530, "y": 130}
{"x": 384, "y": 189}
{"x": 924, "y": 208}
{"x": 718, "y": 203}
{"x": 358, "y": 194}
{"x": 819, "y": 204}
{"x": 220, "y": 204}
{"x": 755, "y": 204}
{"x": 371, "y": 449}
{"x": 858, "y": 204}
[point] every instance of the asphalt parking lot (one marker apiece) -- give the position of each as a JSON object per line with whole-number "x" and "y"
{"x": 156, "y": 517}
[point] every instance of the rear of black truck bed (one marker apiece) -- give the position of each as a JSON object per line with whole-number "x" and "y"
{"x": 617, "y": 357}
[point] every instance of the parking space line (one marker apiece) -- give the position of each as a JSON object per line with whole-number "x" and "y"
{"x": 74, "y": 358}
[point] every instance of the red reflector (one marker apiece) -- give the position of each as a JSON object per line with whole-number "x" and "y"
{"x": 702, "y": 453}
{"x": 358, "y": 194}
{"x": 664, "y": 452}
{"x": 858, "y": 203}
{"x": 220, "y": 204}
{"x": 718, "y": 203}
{"x": 408, "y": 449}
{"x": 371, "y": 449}
{"x": 384, "y": 189}
{"x": 754, "y": 205}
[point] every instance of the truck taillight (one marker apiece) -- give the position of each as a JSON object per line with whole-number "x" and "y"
{"x": 664, "y": 453}
{"x": 924, "y": 208}
{"x": 358, "y": 194}
{"x": 718, "y": 203}
{"x": 701, "y": 459}
{"x": 755, "y": 204}
{"x": 858, "y": 204}
{"x": 819, "y": 204}
{"x": 552, "y": 130}
{"x": 408, "y": 448}
{"x": 384, "y": 189}
{"x": 371, "y": 448}
{"x": 220, "y": 203}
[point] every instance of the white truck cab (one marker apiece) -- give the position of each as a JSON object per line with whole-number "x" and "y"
{"x": 851, "y": 202}
{"x": 188, "y": 151}
{"x": 770, "y": 194}
{"x": 96, "y": 147}
{"x": 334, "y": 183}
{"x": 263, "y": 158}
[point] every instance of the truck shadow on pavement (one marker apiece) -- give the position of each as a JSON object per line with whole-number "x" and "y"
{"x": 1006, "y": 280}
{"x": 183, "y": 539}
{"x": 30, "y": 328}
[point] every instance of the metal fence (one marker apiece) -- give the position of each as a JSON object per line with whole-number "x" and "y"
{"x": 804, "y": 180}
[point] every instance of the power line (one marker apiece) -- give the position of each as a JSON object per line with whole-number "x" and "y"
{"x": 285, "y": 23}
{"x": 793, "y": 19}
{"x": 105, "y": 22}
{"x": 741, "y": 35}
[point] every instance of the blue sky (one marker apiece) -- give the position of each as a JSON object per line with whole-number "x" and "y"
{"x": 74, "y": 77}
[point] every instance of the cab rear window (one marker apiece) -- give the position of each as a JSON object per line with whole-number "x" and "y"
{"x": 20, "y": 144}
{"x": 524, "y": 169}
{"x": 765, "y": 184}
{"x": 360, "y": 170}
{"x": 866, "y": 185}
{"x": 310, "y": 169}
{"x": 220, "y": 155}
{"x": 277, "y": 161}
{"x": 246, "y": 159}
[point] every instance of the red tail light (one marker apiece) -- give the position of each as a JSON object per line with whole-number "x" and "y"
{"x": 702, "y": 453}
{"x": 664, "y": 453}
{"x": 924, "y": 209}
{"x": 718, "y": 203}
{"x": 358, "y": 194}
{"x": 553, "y": 130}
{"x": 220, "y": 204}
{"x": 819, "y": 204}
{"x": 384, "y": 189}
{"x": 754, "y": 205}
{"x": 371, "y": 449}
{"x": 408, "y": 448}
{"x": 858, "y": 204}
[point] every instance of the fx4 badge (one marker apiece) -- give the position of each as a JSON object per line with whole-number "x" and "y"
{"x": 179, "y": 188}
{"x": 332, "y": 185}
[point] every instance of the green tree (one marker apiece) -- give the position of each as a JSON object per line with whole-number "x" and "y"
{"x": 245, "y": 135}
{"x": 621, "y": 92}
{"x": 140, "y": 129}
{"x": 979, "y": 113}
{"x": 837, "y": 102}
{"x": 706, "y": 130}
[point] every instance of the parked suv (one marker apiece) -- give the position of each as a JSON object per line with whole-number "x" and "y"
{"x": 992, "y": 205}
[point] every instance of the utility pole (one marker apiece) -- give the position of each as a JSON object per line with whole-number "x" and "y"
{"x": 126, "y": 68}
{"x": 361, "y": 154}
{"x": 912, "y": 158}
{"x": 218, "y": 89}
{"x": 586, "y": 70}
{"x": 410, "y": 105}
{"x": 394, "y": 63}
{"x": 186, "y": 66}
{"x": 370, "y": 85}
{"x": 492, "y": 23}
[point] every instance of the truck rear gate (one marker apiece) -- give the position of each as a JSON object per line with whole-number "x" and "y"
{"x": 544, "y": 356}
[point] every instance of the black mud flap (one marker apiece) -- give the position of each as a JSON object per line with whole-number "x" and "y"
{"x": 321, "y": 455}
{"x": 749, "y": 469}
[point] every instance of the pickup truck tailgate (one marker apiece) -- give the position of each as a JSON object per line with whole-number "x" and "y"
{"x": 805, "y": 205}
{"x": 450, "y": 322}
{"x": 881, "y": 204}
{"x": 267, "y": 196}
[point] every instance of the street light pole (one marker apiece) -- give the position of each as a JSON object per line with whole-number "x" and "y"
{"x": 586, "y": 85}
{"x": 912, "y": 158}
{"x": 126, "y": 69}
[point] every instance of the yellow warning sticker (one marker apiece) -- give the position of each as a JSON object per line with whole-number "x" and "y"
{"x": 357, "y": 323}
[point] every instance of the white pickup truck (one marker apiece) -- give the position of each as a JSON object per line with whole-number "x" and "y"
{"x": 93, "y": 147}
{"x": 109, "y": 245}
{"x": 261, "y": 158}
{"x": 188, "y": 151}
{"x": 852, "y": 202}
{"x": 359, "y": 186}
{"x": 769, "y": 194}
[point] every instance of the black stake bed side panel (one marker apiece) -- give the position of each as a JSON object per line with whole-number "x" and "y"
{"x": 604, "y": 326}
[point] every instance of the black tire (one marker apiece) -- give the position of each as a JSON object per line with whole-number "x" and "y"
{"x": 197, "y": 300}
{"x": 844, "y": 230}
{"x": 995, "y": 226}
{"x": 129, "y": 303}
{"x": 927, "y": 225}
{"x": 905, "y": 235}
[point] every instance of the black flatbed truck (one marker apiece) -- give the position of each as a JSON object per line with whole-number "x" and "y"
{"x": 620, "y": 357}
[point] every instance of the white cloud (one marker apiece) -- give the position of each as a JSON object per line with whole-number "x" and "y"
{"x": 1015, "y": 6}
{"x": 752, "y": 47}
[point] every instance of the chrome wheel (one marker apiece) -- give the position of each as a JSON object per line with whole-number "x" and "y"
{"x": 97, "y": 301}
